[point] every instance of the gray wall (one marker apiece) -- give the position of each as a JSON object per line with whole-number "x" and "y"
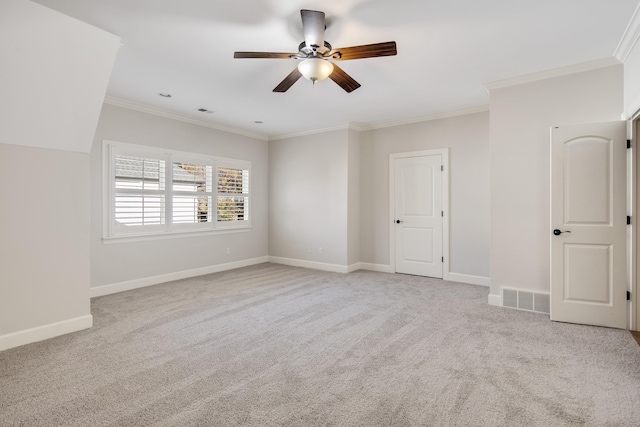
{"x": 521, "y": 117}
{"x": 353, "y": 202}
{"x": 467, "y": 137}
{"x": 120, "y": 262}
{"x": 632, "y": 82}
{"x": 44, "y": 255}
{"x": 308, "y": 197}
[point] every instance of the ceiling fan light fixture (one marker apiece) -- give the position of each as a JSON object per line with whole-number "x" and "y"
{"x": 314, "y": 54}
{"x": 315, "y": 69}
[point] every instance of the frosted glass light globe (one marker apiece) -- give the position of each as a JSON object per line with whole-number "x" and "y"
{"x": 315, "y": 69}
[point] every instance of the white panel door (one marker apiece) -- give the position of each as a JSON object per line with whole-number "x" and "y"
{"x": 588, "y": 224}
{"x": 418, "y": 215}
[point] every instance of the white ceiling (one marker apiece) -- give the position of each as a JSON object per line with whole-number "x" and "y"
{"x": 447, "y": 50}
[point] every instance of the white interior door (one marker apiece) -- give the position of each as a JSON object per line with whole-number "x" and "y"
{"x": 418, "y": 213}
{"x": 588, "y": 224}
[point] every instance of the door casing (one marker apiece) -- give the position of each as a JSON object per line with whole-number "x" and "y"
{"x": 444, "y": 152}
{"x": 633, "y": 208}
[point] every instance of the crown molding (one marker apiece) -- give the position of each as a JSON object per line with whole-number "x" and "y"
{"x": 118, "y": 102}
{"x": 365, "y": 127}
{"x": 315, "y": 131}
{"x": 629, "y": 37}
{"x": 555, "y": 72}
{"x": 438, "y": 116}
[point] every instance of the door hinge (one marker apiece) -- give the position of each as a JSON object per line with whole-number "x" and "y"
{"x": 442, "y": 259}
{"x": 628, "y": 296}
{"x": 442, "y": 214}
{"x": 628, "y": 143}
{"x": 628, "y": 220}
{"x": 441, "y": 168}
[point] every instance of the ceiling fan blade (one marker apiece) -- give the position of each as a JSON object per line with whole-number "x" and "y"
{"x": 365, "y": 51}
{"x": 313, "y": 26}
{"x": 276, "y": 55}
{"x": 344, "y": 80}
{"x": 288, "y": 81}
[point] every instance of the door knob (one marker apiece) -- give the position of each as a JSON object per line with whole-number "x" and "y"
{"x": 398, "y": 221}
{"x": 557, "y": 232}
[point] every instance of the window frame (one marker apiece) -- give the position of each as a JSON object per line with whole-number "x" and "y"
{"x": 112, "y": 233}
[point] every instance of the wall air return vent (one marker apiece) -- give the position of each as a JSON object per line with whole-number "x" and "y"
{"x": 525, "y": 300}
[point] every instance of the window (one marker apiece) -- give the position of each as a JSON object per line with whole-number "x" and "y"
{"x": 154, "y": 192}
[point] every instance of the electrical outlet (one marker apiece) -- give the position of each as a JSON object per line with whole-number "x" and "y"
{"x": 228, "y": 251}
{"x": 320, "y": 251}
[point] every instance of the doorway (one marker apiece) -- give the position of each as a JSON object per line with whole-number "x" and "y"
{"x": 589, "y": 227}
{"x": 418, "y": 184}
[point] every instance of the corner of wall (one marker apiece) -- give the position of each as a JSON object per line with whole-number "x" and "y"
{"x": 495, "y": 300}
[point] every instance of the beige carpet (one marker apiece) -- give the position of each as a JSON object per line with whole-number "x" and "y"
{"x": 273, "y": 345}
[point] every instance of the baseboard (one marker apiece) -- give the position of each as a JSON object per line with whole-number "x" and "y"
{"x": 335, "y": 268}
{"x": 380, "y": 268}
{"x": 354, "y": 267}
{"x": 129, "y": 285}
{"x": 40, "y": 333}
{"x": 495, "y": 300}
{"x": 467, "y": 278}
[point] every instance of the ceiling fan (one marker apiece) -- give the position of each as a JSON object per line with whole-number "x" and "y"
{"x": 314, "y": 53}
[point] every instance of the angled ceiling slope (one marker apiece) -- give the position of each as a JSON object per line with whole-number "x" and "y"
{"x": 55, "y": 72}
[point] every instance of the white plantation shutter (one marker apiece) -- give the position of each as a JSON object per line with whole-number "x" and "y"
{"x": 192, "y": 192}
{"x": 139, "y": 187}
{"x": 151, "y": 191}
{"x": 233, "y": 194}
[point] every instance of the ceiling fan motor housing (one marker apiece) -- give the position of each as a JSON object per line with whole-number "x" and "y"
{"x": 307, "y": 52}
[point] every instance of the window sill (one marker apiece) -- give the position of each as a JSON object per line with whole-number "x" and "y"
{"x": 131, "y": 238}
